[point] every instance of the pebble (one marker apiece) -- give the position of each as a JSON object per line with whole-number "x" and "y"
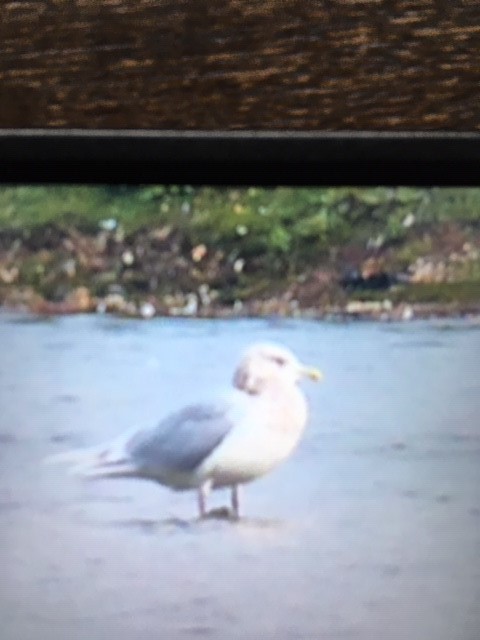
{"x": 128, "y": 258}
{"x": 147, "y": 310}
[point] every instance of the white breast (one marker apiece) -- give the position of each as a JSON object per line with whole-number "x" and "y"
{"x": 265, "y": 436}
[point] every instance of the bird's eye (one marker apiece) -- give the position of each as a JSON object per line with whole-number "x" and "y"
{"x": 279, "y": 360}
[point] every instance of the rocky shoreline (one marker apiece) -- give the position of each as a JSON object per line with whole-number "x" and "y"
{"x": 58, "y": 269}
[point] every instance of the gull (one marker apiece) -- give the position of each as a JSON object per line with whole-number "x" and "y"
{"x": 210, "y": 446}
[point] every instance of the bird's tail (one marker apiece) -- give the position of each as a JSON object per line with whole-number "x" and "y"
{"x": 110, "y": 460}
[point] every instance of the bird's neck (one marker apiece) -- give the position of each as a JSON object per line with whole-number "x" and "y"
{"x": 290, "y": 401}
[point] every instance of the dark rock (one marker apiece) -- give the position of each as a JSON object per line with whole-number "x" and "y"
{"x": 381, "y": 281}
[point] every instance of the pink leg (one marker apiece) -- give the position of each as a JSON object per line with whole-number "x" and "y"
{"x": 203, "y": 492}
{"x": 236, "y": 500}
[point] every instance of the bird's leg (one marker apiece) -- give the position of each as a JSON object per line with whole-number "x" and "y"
{"x": 203, "y": 492}
{"x": 236, "y": 500}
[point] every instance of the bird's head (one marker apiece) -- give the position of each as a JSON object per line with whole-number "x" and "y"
{"x": 265, "y": 363}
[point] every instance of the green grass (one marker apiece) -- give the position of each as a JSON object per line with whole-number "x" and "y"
{"x": 319, "y": 212}
{"x": 24, "y": 207}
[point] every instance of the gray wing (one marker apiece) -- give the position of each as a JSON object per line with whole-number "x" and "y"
{"x": 182, "y": 441}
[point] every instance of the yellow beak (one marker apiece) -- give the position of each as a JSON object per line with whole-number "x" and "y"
{"x": 312, "y": 373}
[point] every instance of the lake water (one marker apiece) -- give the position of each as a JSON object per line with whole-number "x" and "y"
{"x": 370, "y": 530}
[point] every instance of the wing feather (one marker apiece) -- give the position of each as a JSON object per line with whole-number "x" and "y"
{"x": 182, "y": 441}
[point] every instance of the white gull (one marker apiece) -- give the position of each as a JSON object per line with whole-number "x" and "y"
{"x": 210, "y": 446}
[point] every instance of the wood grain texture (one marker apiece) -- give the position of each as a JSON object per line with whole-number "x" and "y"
{"x": 283, "y": 64}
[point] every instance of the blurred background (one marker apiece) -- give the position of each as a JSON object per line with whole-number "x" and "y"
{"x": 388, "y": 253}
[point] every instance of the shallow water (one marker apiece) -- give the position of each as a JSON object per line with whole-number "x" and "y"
{"x": 371, "y": 529}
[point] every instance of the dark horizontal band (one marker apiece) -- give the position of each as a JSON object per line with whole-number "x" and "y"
{"x": 268, "y": 158}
